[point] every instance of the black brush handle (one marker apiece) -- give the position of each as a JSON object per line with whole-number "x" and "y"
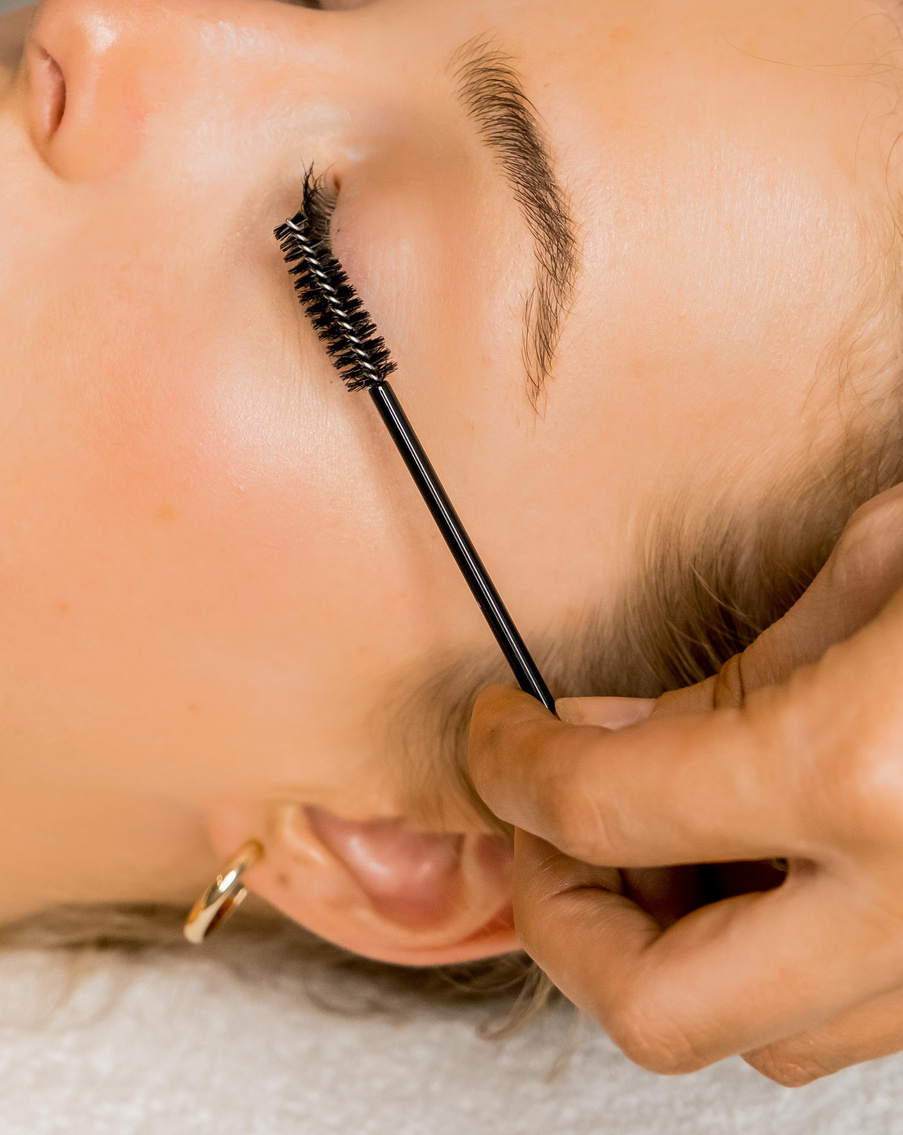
{"x": 500, "y": 622}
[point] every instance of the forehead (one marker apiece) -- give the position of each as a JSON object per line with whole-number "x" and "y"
{"x": 652, "y": 85}
{"x": 658, "y": 71}
{"x": 713, "y": 151}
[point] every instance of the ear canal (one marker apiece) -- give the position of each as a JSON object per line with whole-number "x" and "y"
{"x": 411, "y": 878}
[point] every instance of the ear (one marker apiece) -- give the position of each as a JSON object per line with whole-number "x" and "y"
{"x": 376, "y": 886}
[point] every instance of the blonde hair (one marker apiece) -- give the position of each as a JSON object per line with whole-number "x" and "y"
{"x": 514, "y": 990}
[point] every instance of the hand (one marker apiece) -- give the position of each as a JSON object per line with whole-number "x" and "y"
{"x": 795, "y": 750}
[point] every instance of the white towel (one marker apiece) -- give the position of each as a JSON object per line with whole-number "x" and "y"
{"x": 175, "y": 1045}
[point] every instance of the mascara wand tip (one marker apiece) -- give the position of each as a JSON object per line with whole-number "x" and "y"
{"x": 341, "y": 321}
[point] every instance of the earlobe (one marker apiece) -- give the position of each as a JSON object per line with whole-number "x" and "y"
{"x": 376, "y": 886}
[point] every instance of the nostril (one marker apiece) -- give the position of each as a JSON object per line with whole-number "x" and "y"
{"x": 50, "y": 82}
{"x": 55, "y": 105}
{"x": 84, "y": 114}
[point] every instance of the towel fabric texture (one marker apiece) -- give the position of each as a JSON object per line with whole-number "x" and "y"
{"x": 192, "y": 1045}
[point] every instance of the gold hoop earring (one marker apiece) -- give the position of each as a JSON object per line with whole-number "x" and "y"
{"x": 225, "y": 893}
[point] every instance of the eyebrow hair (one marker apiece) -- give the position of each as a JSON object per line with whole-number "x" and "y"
{"x": 507, "y": 121}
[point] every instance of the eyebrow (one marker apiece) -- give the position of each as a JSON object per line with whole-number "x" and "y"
{"x": 493, "y": 97}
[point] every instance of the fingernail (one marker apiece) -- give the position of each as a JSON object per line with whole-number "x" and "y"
{"x": 610, "y": 713}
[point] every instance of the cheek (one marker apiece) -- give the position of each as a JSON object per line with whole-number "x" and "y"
{"x": 189, "y": 535}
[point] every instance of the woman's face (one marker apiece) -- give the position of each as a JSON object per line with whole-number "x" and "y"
{"x": 216, "y": 575}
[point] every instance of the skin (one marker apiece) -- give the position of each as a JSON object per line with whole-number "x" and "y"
{"x": 791, "y": 751}
{"x": 215, "y": 571}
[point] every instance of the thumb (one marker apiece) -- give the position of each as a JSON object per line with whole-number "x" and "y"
{"x": 860, "y": 577}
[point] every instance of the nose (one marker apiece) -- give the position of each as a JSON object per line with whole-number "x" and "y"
{"x": 86, "y": 105}
{"x": 103, "y": 74}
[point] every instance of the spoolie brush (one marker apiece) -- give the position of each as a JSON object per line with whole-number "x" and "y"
{"x": 363, "y": 360}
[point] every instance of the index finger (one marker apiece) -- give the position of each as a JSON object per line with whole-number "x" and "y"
{"x": 702, "y": 788}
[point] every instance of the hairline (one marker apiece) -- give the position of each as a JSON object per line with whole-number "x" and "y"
{"x": 707, "y": 583}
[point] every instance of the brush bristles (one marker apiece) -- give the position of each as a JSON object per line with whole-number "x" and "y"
{"x": 327, "y": 295}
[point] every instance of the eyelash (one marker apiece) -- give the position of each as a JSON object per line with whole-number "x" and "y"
{"x": 319, "y": 200}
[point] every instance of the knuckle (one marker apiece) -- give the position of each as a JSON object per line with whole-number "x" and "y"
{"x": 861, "y": 789}
{"x": 789, "y": 1068}
{"x": 848, "y": 776}
{"x": 571, "y": 815}
{"x": 572, "y": 822}
{"x": 728, "y": 689}
{"x": 588, "y": 833}
{"x": 641, "y": 1028}
{"x": 871, "y": 535}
